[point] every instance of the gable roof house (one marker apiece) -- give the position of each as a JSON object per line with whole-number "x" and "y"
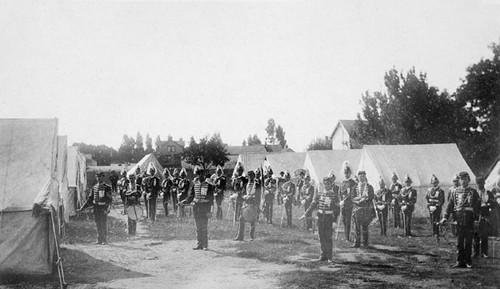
{"x": 342, "y": 135}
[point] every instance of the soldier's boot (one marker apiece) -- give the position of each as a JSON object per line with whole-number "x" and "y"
{"x": 252, "y": 233}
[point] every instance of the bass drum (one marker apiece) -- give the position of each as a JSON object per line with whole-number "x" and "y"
{"x": 134, "y": 212}
{"x": 250, "y": 213}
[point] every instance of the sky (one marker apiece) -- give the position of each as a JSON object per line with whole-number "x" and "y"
{"x": 193, "y": 68}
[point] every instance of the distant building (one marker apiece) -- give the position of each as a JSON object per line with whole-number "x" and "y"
{"x": 169, "y": 153}
{"x": 342, "y": 135}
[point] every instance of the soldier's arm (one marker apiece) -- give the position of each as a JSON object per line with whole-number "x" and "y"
{"x": 89, "y": 201}
{"x": 441, "y": 198}
{"x": 190, "y": 197}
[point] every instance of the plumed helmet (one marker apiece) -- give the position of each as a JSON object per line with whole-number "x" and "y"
{"x": 307, "y": 178}
{"x": 258, "y": 171}
{"x": 137, "y": 170}
{"x": 408, "y": 179}
{"x": 361, "y": 172}
{"x": 346, "y": 167}
{"x": 151, "y": 168}
{"x": 239, "y": 168}
{"x": 269, "y": 171}
{"x": 434, "y": 179}
{"x": 166, "y": 172}
{"x": 394, "y": 176}
{"x": 183, "y": 173}
{"x": 218, "y": 169}
{"x": 456, "y": 178}
{"x": 198, "y": 170}
{"x": 332, "y": 176}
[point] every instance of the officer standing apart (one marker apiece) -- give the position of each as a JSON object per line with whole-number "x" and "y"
{"x": 382, "y": 200}
{"x": 363, "y": 209}
{"x": 408, "y": 198}
{"x": 435, "y": 201}
{"x": 464, "y": 207}
{"x": 100, "y": 198}
{"x": 327, "y": 203}
{"x": 347, "y": 191}
{"x": 202, "y": 195}
{"x": 481, "y": 234}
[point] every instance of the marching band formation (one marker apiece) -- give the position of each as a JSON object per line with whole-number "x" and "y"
{"x": 474, "y": 214}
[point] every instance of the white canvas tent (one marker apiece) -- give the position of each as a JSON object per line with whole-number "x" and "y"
{"x": 493, "y": 176}
{"x": 28, "y": 175}
{"x": 320, "y": 163}
{"x": 419, "y": 161}
{"x": 290, "y": 161}
{"x": 144, "y": 163}
{"x": 250, "y": 161}
{"x": 62, "y": 177}
{"x": 77, "y": 181}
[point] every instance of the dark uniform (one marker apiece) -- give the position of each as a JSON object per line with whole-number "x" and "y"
{"x": 464, "y": 207}
{"x": 202, "y": 195}
{"x": 250, "y": 209}
{"x": 307, "y": 194}
{"x": 408, "y": 198}
{"x": 495, "y": 211}
{"x": 279, "y": 188}
{"x": 347, "y": 192}
{"x": 183, "y": 191}
{"x": 383, "y": 198}
{"x": 238, "y": 185}
{"x": 327, "y": 203}
{"x": 220, "y": 188}
{"x": 138, "y": 185}
{"x": 166, "y": 189}
{"x": 100, "y": 198}
{"x": 122, "y": 190}
{"x": 363, "y": 209}
{"x": 151, "y": 186}
{"x": 300, "y": 184}
{"x": 288, "y": 189}
{"x": 113, "y": 179}
{"x": 270, "y": 186}
{"x": 435, "y": 202}
{"x": 175, "y": 185}
{"x": 395, "y": 189}
{"x": 484, "y": 227}
{"x": 133, "y": 197}
{"x": 456, "y": 184}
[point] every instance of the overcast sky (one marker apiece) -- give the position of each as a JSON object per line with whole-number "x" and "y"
{"x": 192, "y": 68}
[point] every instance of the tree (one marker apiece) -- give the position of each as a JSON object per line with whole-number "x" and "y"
{"x": 139, "y": 147}
{"x": 280, "y": 136}
{"x": 208, "y": 152}
{"x": 320, "y": 144}
{"x": 270, "y": 130}
{"x": 157, "y": 143}
{"x": 253, "y": 140}
{"x": 244, "y": 143}
{"x": 126, "y": 150}
{"x": 149, "y": 144}
{"x": 102, "y": 154}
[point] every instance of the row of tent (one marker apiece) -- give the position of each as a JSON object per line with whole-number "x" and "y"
{"x": 420, "y": 162}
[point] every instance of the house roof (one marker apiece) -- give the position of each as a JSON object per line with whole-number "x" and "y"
{"x": 236, "y": 150}
{"x": 348, "y": 124}
{"x": 273, "y": 148}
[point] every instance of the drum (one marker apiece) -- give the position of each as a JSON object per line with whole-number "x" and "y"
{"x": 250, "y": 213}
{"x": 134, "y": 212}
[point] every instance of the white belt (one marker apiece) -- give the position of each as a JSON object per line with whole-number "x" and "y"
{"x": 464, "y": 209}
{"x": 324, "y": 212}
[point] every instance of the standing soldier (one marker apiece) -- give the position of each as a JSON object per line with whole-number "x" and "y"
{"x": 166, "y": 189}
{"x": 435, "y": 202}
{"x": 383, "y": 198}
{"x": 347, "y": 191}
{"x": 183, "y": 191}
{"x": 269, "y": 192}
{"x": 152, "y": 188}
{"x": 220, "y": 187}
{"x": 288, "y": 189}
{"x": 307, "y": 194}
{"x": 259, "y": 187}
{"x": 250, "y": 209}
{"x": 481, "y": 235}
{"x": 122, "y": 189}
{"x": 300, "y": 183}
{"x": 175, "y": 187}
{"x": 456, "y": 184}
{"x": 100, "y": 198}
{"x": 408, "y": 199}
{"x": 133, "y": 197}
{"x": 363, "y": 209}
{"x": 113, "y": 179}
{"x": 395, "y": 189}
{"x": 138, "y": 184}
{"x": 238, "y": 184}
{"x": 495, "y": 211}
{"x": 327, "y": 203}
{"x": 464, "y": 207}
{"x": 202, "y": 195}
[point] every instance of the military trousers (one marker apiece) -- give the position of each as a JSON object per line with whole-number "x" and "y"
{"x": 346, "y": 220}
{"x": 382, "y": 215}
{"x": 480, "y": 240}
{"x": 151, "y": 204}
{"x": 325, "y": 232}
{"x": 465, "y": 230}
{"x": 201, "y": 213}
{"x": 435, "y": 217}
{"x": 101, "y": 221}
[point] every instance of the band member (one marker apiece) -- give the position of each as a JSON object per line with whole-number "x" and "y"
{"x": 183, "y": 191}
{"x": 152, "y": 188}
{"x": 456, "y": 184}
{"x": 238, "y": 184}
{"x": 175, "y": 185}
{"x": 259, "y": 187}
{"x": 483, "y": 229}
{"x": 288, "y": 189}
{"x": 383, "y": 198}
{"x": 464, "y": 207}
{"x": 363, "y": 209}
{"x": 202, "y": 195}
{"x": 307, "y": 194}
{"x": 435, "y": 202}
{"x": 220, "y": 188}
{"x": 133, "y": 197}
{"x": 347, "y": 191}
{"x": 395, "y": 189}
{"x": 270, "y": 186}
{"x": 250, "y": 209}
{"x": 123, "y": 184}
{"x": 327, "y": 203}
{"x": 100, "y": 198}
{"x": 113, "y": 179}
{"x": 408, "y": 198}
{"x": 139, "y": 186}
{"x": 300, "y": 183}
{"x": 166, "y": 189}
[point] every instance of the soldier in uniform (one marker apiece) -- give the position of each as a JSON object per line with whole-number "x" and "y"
{"x": 133, "y": 197}
{"x": 363, "y": 209}
{"x": 259, "y": 187}
{"x": 175, "y": 185}
{"x": 238, "y": 184}
{"x": 435, "y": 202}
{"x": 166, "y": 189}
{"x": 495, "y": 211}
{"x": 456, "y": 184}
{"x": 307, "y": 194}
{"x": 202, "y": 195}
{"x": 484, "y": 227}
{"x": 183, "y": 191}
{"x": 152, "y": 188}
{"x": 408, "y": 198}
{"x": 288, "y": 189}
{"x": 328, "y": 210}
{"x": 250, "y": 209}
{"x": 300, "y": 183}
{"x": 113, "y": 179}
{"x": 100, "y": 198}
{"x": 138, "y": 183}
{"x": 220, "y": 188}
{"x": 122, "y": 189}
{"x": 279, "y": 190}
{"x": 383, "y": 199}
{"x": 347, "y": 191}
{"x": 395, "y": 189}
{"x": 270, "y": 186}
{"x": 464, "y": 207}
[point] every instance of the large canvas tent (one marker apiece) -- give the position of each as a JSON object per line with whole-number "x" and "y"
{"x": 250, "y": 161}
{"x": 77, "y": 181}
{"x": 493, "y": 175}
{"x": 144, "y": 163}
{"x": 28, "y": 176}
{"x": 419, "y": 161}
{"x": 62, "y": 177}
{"x": 320, "y": 163}
{"x": 290, "y": 161}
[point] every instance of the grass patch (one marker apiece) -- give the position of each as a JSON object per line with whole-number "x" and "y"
{"x": 82, "y": 229}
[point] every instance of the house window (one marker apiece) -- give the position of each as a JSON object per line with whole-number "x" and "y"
{"x": 171, "y": 149}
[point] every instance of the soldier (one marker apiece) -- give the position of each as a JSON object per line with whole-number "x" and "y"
{"x": 456, "y": 184}
{"x": 327, "y": 203}
{"x": 383, "y": 198}
{"x": 250, "y": 209}
{"x": 288, "y": 189}
{"x": 202, "y": 195}
{"x": 113, "y": 179}
{"x": 175, "y": 185}
{"x": 464, "y": 207}
{"x": 495, "y": 211}
{"x": 300, "y": 183}
{"x": 152, "y": 188}
{"x": 435, "y": 202}
{"x": 408, "y": 198}
{"x": 122, "y": 189}
{"x": 395, "y": 189}
{"x": 259, "y": 188}
{"x": 347, "y": 191}
{"x": 133, "y": 197}
{"x": 363, "y": 209}
{"x": 481, "y": 233}
{"x": 138, "y": 182}
{"x": 166, "y": 189}
{"x": 279, "y": 190}
{"x": 238, "y": 184}
{"x": 220, "y": 188}
{"x": 307, "y": 194}
{"x": 100, "y": 198}
{"x": 183, "y": 191}
{"x": 269, "y": 193}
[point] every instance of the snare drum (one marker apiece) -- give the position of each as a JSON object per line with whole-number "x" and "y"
{"x": 134, "y": 212}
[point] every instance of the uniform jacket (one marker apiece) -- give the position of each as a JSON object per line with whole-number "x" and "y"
{"x": 348, "y": 191}
{"x": 363, "y": 195}
{"x": 435, "y": 197}
{"x": 463, "y": 200}
{"x": 100, "y": 195}
{"x": 383, "y": 197}
{"x": 326, "y": 201}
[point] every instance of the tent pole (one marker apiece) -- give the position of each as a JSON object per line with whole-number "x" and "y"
{"x": 59, "y": 264}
